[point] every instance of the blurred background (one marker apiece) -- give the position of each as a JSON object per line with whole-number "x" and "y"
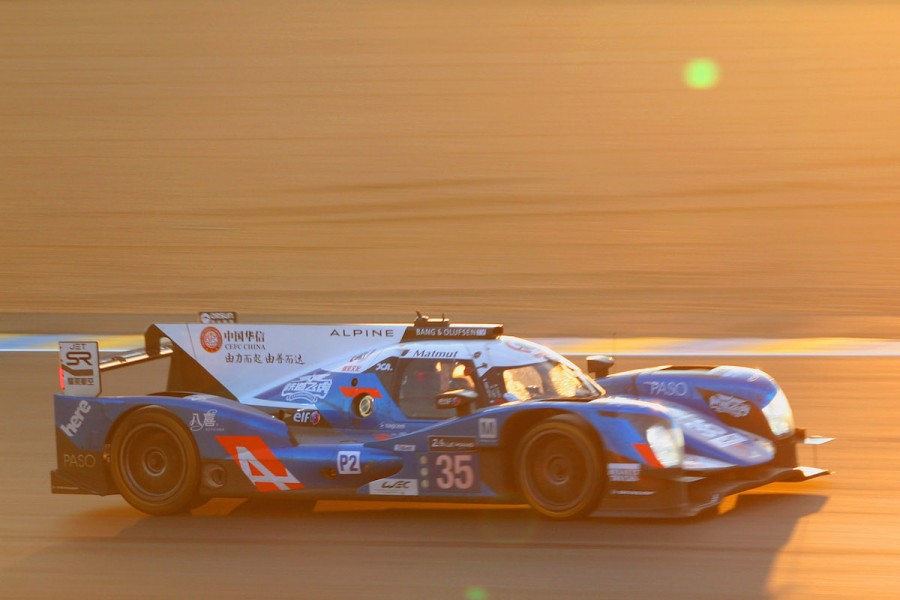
{"x": 568, "y": 168}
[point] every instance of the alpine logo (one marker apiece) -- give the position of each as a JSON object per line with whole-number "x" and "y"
{"x": 258, "y": 463}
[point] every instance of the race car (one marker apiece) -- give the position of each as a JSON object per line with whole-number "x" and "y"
{"x": 427, "y": 411}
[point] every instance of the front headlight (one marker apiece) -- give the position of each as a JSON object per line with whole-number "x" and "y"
{"x": 778, "y": 414}
{"x": 667, "y": 444}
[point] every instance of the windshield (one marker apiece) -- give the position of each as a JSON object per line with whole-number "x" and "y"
{"x": 548, "y": 380}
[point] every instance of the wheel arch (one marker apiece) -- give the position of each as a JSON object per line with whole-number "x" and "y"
{"x": 117, "y": 424}
{"x": 517, "y": 425}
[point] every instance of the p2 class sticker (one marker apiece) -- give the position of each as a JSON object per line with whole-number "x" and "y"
{"x": 348, "y": 462}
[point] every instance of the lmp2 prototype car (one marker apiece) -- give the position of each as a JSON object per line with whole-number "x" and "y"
{"x": 428, "y": 411}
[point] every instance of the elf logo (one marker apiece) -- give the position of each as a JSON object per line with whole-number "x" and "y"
{"x": 258, "y": 463}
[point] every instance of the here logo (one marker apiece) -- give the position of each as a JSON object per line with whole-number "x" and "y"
{"x": 77, "y": 419}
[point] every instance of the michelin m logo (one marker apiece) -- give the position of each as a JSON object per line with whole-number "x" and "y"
{"x": 487, "y": 428}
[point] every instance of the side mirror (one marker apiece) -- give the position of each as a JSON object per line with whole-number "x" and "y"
{"x": 461, "y": 400}
{"x": 598, "y": 366}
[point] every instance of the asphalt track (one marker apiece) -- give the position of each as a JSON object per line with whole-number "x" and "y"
{"x": 539, "y": 164}
{"x": 835, "y": 537}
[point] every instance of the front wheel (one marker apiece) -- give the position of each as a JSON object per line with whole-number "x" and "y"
{"x": 559, "y": 468}
{"x": 155, "y": 463}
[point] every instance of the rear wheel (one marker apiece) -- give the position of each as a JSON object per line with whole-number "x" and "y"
{"x": 155, "y": 463}
{"x": 559, "y": 468}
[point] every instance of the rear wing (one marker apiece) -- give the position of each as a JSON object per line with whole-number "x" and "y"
{"x": 80, "y": 365}
{"x": 153, "y": 350}
{"x": 239, "y": 361}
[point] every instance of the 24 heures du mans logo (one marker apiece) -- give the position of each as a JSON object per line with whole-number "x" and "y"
{"x": 449, "y": 443}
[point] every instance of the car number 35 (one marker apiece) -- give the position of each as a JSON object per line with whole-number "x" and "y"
{"x": 455, "y": 471}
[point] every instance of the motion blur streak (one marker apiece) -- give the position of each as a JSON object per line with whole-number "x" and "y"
{"x": 540, "y": 164}
{"x": 492, "y": 160}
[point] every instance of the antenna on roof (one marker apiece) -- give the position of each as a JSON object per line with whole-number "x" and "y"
{"x": 423, "y": 320}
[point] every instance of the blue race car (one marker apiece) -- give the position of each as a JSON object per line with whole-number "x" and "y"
{"x": 428, "y": 411}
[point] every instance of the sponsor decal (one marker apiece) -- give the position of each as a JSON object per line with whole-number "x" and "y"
{"x": 729, "y": 405}
{"x": 307, "y": 417}
{"x": 205, "y": 421}
{"x": 668, "y": 388}
{"x": 384, "y": 367}
{"x": 77, "y": 419}
{"x": 361, "y": 356}
{"x": 245, "y": 339}
{"x": 526, "y": 347}
{"x": 404, "y": 447}
{"x": 729, "y": 439}
{"x": 444, "y": 443}
{"x": 348, "y": 462}
{"x": 269, "y": 358}
{"x": 351, "y": 368}
{"x": 394, "y": 487}
{"x": 218, "y": 317}
{"x": 623, "y": 472}
{"x": 712, "y": 433}
{"x": 211, "y": 339}
{"x": 451, "y": 332}
{"x": 487, "y": 428}
{"x": 257, "y": 462}
{"x": 392, "y": 426}
{"x": 353, "y": 392}
{"x": 362, "y": 332}
{"x": 702, "y": 428}
{"x": 79, "y": 461}
{"x": 79, "y": 368}
{"x": 434, "y": 354}
{"x": 245, "y": 336}
{"x": 309, "y": 388}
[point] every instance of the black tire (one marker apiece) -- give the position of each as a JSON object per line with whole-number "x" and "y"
{"x": 559, "y": 468}
{"x": 154, "y": 462}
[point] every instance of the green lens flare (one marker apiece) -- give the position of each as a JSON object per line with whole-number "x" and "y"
{"x": 701, "y": 73}
{"x": 476, "y": 593}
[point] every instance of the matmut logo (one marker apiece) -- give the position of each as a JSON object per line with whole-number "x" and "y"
{"x": 258, "y": 463}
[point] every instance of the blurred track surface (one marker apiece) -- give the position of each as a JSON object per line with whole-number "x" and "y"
{"x": 835, "y": 537}
{"x": 538, "y": 163}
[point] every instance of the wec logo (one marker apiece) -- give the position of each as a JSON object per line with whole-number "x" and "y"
{"x": 394, "y": 487}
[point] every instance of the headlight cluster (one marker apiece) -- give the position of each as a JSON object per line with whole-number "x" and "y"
{"x": 667, "y": 444}
{"x": 778, "y": 414}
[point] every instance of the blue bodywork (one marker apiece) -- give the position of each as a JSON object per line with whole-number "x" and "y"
{"x": 305, "y": 436}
